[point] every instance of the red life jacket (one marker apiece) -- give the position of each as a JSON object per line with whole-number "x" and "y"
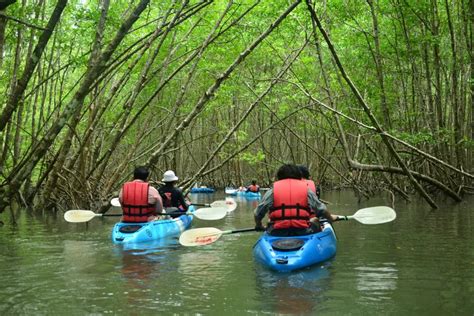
{"x": 135, "y": 205}
{"x": 311, "y": 185}
{"x": 253, "y": 188}
{"x": 290, "y": 204}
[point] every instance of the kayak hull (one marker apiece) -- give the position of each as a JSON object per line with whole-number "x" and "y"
{"x": 245, "y": 194}
{"x": 313, "y": 249}
{"x": 124, "y": 233}
{"x": 202, "y": 190}
{"x": 249, "y": 195}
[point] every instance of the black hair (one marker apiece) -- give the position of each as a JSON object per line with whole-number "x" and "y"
{"x": 289, "y": 171}
{"x": 254, "y": 182}
{"x": 141, "y": 173}
{"x": 304, "y": 171}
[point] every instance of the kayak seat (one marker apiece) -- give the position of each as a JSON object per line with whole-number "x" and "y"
{"x": 128, "y": 229}
{"x": 287, "y": 244}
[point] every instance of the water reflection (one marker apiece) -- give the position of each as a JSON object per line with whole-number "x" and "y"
{"x": 137, "y": 272}
{"x": 203, "y": 269}
{"x": 80, "y": 256}
{"x": 142, "y": 265}
{"x": 151, "y": 247}
{"x": 377, "y": 282}
{"x": 52, "y": 267}
{"x": 297, "y": 293}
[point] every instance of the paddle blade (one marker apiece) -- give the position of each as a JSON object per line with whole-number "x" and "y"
{"x": 230, "y": 204}
{"x": 375, "y": 215}
{"x": 199, "y": 236}
{"x": 79, "y": 216}
{"x": 211, "y": 213}
{"x": 115, "y": 202}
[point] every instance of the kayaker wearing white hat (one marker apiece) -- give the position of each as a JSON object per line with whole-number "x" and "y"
{"x": 171, "y": 195}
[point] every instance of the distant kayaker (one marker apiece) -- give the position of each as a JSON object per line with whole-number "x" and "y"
{"x": 140, "y": 201}
{"x": 170, "y": 194}
{"x": 291, "y": 205}
{"x": 306, "y": 176}
{"x": 254, "y": 187}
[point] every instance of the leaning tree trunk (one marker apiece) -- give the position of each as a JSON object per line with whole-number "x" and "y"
{"x": 3, "y": 25}
{"x": 21, "y": 172}
{"x": 368, "y": 111}
{"x": 218, "y": 82}
{"x": 21, "y": 85}
{"x": 379, "y": 66}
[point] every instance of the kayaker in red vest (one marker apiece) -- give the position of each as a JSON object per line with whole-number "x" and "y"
{"x": 140, "y": 201}
{"x": 253, "y": 187}
{"x": 291, "y": 205}
{"x": 171, "y": 195}
{"x": 306, "y": 176}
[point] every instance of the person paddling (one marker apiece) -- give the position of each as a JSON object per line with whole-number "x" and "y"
{"x": 170, "y": 194}
{"x": 291, "y": 205}
{"x": 140, "y": 201}
{"x": 254, "y": 187}
{"x": 307, "y": 177}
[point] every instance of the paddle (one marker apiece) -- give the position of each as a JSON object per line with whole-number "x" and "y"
{"x": 371, "y": 215}
{"x": 206, "y": 235}
{"x": 229, "y": 204}
{"x": 210, "y": 213}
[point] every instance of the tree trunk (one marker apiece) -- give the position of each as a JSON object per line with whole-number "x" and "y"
{"x": 21, "y": 172}
{"x": 379, "y": 67}
{"x": 458, "y": 111}
{"x": 20, "y": 87}
{"x": 368, "y": 111}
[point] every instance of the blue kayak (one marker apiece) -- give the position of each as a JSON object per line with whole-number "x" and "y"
{"x": 249, "y": 195}
{"x": 202, "y": 190}
{"x": 296, "y": 252}
{"x": 144, "y": 232}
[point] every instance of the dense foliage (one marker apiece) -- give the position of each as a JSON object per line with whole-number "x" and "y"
{"x": 364, "y": 93}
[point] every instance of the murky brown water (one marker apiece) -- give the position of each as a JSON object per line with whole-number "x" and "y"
{"x": 421, "y": 264}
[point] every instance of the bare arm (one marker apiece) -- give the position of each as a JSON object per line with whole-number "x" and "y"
{"x": 154, "y": 198}
{"x": 262, "y": 209}
{"x": 319, "y": 207}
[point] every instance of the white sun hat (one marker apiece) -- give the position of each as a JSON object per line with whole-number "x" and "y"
{"x": 169, "y": 176}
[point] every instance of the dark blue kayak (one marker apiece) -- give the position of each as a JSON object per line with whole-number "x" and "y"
{"x": 296, "y": 252}
{"x": 202, "y": 190}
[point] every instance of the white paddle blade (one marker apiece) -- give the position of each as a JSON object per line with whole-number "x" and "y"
{"x": 79, "y": 216}
{"x": 115, "y": 202}
{"x": 211, "y": 213}
{"x": 230, "y": 204}
{"x": 375, "y": 215}
{"x": 199, "y": 236}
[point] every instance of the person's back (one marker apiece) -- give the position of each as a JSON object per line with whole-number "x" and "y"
{"x": 171, "y": 195}
{"x": 253, "y": 187}
{"x": 140, "y": 201}
{"x": 291, "y": 205}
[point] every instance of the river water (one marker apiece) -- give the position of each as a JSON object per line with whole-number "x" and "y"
{"x": 420, "y": 264}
